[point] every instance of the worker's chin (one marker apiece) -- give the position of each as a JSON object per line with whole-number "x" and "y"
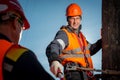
{"x": 75, "y": 28}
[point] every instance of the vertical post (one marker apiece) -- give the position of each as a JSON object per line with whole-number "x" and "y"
{"x": 111, "y": 36}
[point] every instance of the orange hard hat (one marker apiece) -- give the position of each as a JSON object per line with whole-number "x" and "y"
{"x": 13, "y": 5}
{"x": 73, "y": 10}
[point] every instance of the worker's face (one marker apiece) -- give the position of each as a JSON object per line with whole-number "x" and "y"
{"x": 18, "y": 30}
{"x": 74, "y": 22}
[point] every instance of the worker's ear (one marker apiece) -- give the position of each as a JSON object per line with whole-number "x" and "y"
{"x": 15, "y": 23}
{"x": 80, "y": 27}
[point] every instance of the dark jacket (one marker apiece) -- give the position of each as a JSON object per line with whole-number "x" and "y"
{"x": 27, "y": 67}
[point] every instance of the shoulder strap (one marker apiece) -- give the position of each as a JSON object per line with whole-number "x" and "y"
{"x": 4, "y": 46}
{"x": 86, "y": 60}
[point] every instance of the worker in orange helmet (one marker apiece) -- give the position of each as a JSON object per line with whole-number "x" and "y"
{"x": 70, "y": 49}
{"x": 16, "y": 61}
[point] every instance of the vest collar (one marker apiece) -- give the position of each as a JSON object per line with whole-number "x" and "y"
{"x": 70, "y": 29}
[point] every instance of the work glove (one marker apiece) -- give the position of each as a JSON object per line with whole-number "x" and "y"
{"x": 56, "y": 68}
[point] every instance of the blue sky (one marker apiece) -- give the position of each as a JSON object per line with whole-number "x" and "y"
{"x": 47, "y": 16}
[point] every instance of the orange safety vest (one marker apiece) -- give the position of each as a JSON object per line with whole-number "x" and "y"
{"x": 4, "y": 46}
{"x": 11, "y": 51}
{"x": 76, "y": 51}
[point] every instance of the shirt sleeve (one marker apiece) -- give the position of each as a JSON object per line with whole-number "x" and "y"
{"x": 94, "y": 48}
{"x": 56, "y": 46}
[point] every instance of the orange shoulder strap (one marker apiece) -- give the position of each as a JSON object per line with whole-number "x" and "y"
{"x": 4, "y": 46}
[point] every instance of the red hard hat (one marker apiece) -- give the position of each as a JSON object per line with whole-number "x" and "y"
{"x": 73, "y": 10}
{"x": 13, "y": 5}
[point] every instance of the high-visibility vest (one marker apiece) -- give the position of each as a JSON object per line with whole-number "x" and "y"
{"x": 4, "y": 46}
{"x": 76, "y": 52}
{"x": 11, "y": 51}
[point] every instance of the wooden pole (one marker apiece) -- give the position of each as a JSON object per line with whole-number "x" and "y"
{"x": 111, "y": 37}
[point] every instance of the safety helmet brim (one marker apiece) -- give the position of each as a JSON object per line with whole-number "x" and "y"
{"x": 14, "y": 5}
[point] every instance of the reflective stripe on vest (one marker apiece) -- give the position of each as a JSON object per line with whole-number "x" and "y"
{"x": 73, "y": 52}
{"x": 75, "y": 56}
{"x": 4, "y": 46}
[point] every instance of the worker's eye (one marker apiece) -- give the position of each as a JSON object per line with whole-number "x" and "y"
{"x": 21, "y": 22}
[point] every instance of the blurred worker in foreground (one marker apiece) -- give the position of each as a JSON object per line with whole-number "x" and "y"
{"x": 16, "y": 62}
{"x": 70, "y": 49}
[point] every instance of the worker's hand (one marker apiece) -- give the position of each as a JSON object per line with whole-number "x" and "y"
{"x": 56, "y": 68}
